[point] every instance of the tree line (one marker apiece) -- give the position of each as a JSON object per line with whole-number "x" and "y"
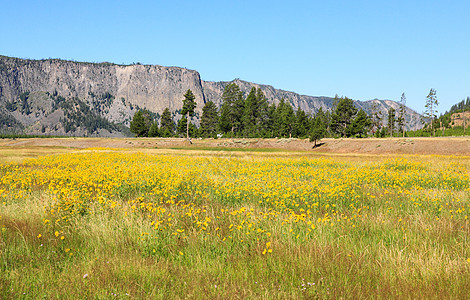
{"x": 253, "y": 117}
{"x": 444, "y": 125}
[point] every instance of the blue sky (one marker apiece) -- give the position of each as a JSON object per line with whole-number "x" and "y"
{"x": 359, "y": 49}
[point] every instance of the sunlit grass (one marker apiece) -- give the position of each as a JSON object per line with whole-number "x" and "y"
{"x": 202, "y": 224}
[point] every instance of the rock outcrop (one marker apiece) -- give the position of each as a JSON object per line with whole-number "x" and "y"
{"x": 69, "y": 98}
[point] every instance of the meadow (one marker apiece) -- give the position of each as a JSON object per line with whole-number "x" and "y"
{"x": 113, "y": 223}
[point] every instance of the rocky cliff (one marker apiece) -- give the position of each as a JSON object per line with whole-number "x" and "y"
{"x": 74, "y": 98}
{"x": 29, "y": 89}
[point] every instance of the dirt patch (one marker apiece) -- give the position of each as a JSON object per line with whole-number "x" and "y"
{"x": 439, "y": 146}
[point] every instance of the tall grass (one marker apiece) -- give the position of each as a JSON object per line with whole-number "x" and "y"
{"x": 130, "y": 225}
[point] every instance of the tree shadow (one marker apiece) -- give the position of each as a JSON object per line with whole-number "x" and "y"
{"x": 318, "y": 145}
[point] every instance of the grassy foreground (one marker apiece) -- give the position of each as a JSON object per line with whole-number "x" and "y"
{"x": 112, "y": 224}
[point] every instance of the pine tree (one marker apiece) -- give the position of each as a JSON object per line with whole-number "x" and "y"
{"x": 269, "y": 123}
{"x": 141, "y": 123}
{"x": 318, "y": 130}
{"x": 301, "y": 127}
{"x": 277, "y": 122}
{"x": 183, "y": 129}
{"x": 286, "y": 119}
{"x": 225, "y": 124}
{"x": 250, "y": 114}
{"x": 181, "y": 126}
{"x": 232, "y": 109}
{"x": 153, "y": 131}
{"x": 382, "y": 132}
{"x": 262, "y": 116}
{"x": 188, "y": 109}
{"x": 360, "y": 125}
{"x": 343, "y": 115}
{"x": 167, "y": 125}
{"x": 401, "y": 121}
{"x": 237, "y": 114}
{"x": 431, "y": 107}
{"x": 209, "y": 120}
{"x": 466, "y": 107}
{"x": 376, "y": 119}
{"x": 391, "y": 120}
{"x": 324, "y": 118}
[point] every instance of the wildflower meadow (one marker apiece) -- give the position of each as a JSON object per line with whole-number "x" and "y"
{"x": 111, "y": 223}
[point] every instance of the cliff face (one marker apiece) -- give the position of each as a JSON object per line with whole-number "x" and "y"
{"x": 113, "y": 91}
{"x": 153, "y": 87}
{"x": 412, "y": 118}
{"x": 74, "y": 98}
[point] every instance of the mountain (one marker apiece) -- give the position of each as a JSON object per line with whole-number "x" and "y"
{"x": 54, "y": 96}
{"x": 213, "y": 91}
{"x": 64, "y": 97}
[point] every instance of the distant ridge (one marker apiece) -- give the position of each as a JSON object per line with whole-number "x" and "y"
{"x": 213, "y": 91}
{"x": 60, "y": 97}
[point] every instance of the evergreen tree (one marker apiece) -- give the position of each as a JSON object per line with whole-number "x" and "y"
{"x": 183, "y": 129}
{"x": 318, "y": 130}
{"x": 209, "y": 120}
{"x": 287, "y": 119}
{"x": 360, "y": 125}
{"x": 188, "y": 109}
{"x": 324, "y": 118}
{"x": 141, "y": 123}
{"x": 401, "y": 121}
{"x": 225, "y": 124}
{"x": 391, "y": 121}
{"x": 269, "y": 123}
{"x": 343, "y": 115}
{"x": 232, "y": 109}
{"x": 431, "y": 107}
{"x": 302, "y": 126}
{"x": 167, "y": 125}
{"x": 238, "y": 109}
{"x": 153, "y": 131}
{"x": 462, "y": 106}
{"x": 466, "y": 107}
{"x": 250, "y": 114}
{"x": 181, "y": 126}
{"x": 262, "y": 117}
{"x": 382, "y": 132}
{"x": 376, "y": 119}
{"x": 277, "y": 122}
{"x": 464, "y": 117}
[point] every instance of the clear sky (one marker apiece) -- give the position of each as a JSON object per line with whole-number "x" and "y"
{"x": 359, "y": 49}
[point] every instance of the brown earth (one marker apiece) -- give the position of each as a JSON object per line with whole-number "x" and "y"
{"x": 459, "y": 119}
{"x": 439, "y": 146}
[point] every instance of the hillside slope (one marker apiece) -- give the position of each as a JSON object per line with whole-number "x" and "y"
{"x": 99, "y": 99}
{"x": 213, "y": 91}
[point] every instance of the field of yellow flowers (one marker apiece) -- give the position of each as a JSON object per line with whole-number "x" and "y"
{"x": 109, "y": 223}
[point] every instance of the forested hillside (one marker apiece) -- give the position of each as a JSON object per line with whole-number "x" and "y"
{"x": 454, "y": 122}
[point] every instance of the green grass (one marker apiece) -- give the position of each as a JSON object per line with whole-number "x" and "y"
{"x": 384, "y": 228}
